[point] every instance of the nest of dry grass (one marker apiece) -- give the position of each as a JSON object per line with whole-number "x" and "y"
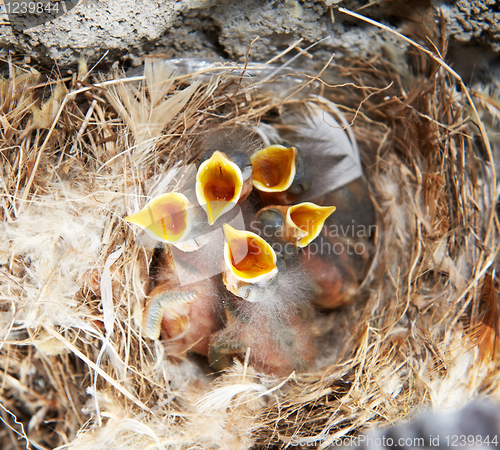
{"x": 76, "y": 372}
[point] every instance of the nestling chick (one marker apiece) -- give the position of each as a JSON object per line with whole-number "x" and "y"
{"x": 184, "y": 316}
{"x": 339, "y": 259}
{"x": 278, "y": 346}
{"x": 173, "y": 218}
{"x": 268, "y": 307}
{"x": 250, "y": 263}
{"x": 335, "y": 261}
{"x": 280, "y": 174}
{"x": 278, "y": 328}
{"x": 291, "y": 227}
{"x": 224, "y": 175}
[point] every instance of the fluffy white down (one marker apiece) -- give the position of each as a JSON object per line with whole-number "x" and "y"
{"x": 53, "y": 240}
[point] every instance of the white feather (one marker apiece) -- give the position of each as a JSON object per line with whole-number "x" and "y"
{"x": 107, "y": 292}
{"x": 332, "y": 157}
{"x": 221, "y": 398}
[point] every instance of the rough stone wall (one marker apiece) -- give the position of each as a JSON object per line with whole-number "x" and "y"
{"x": 128, "y": 29}
{"x": 474, "y": 20}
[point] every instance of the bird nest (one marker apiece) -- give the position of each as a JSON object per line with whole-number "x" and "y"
{"x": 80, "y": 153}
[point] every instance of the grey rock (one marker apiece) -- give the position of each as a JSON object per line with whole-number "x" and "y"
{"x": 477, "y": 425}
{"x": 474, "y": 20}
{"x": 129, "y": 29}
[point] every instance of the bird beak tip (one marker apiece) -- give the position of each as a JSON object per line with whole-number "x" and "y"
{"x": 210, "y": 216}
{"x": 167, "y": 218}
{"x": 135, "y": 219}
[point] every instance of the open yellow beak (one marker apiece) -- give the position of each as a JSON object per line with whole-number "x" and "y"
{"x": 308, "y": 219}
{"x": 219, "y": 182}
{"x": 167, "y": 218}
{"x": 274, "y": 168}
{"x": 248, "y": 256}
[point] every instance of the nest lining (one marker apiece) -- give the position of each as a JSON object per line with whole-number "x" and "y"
{"x": 77, "y": 372}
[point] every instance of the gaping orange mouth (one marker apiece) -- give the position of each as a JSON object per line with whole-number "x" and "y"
{"x": 248, "y": 256}
{"x": 274, "y": 168}
{"x": 167, "y": 218}
{"x": 219, "y": 182}
{"x": 309, "y": 219}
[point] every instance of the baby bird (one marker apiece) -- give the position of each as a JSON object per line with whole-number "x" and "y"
{"x": 172, "y": 218}
{"x": 340, "y": 258}
{"x": 267, "y": 307}
{"x": 184, "y": 316}
{"x": 280, "y": 174}
{"x": 250, "y": 262}
{"x": 224, "y": 176}
{"x": 292, "y": 227}
{"x": 281, "y": 336}
{"x": 335, "y": 264}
